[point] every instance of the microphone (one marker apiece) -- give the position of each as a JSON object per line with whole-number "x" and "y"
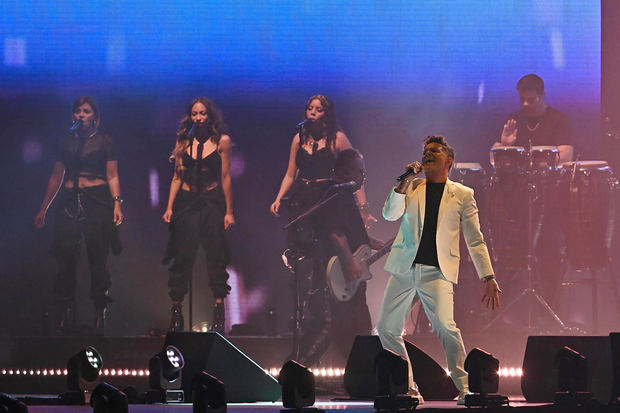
{"x": 346, "y": 185}
{"x": 303, "y": 122}
{"x": 417, "y": 168}
{"x": 76, "y": 125}
{"x": 192, "y": 131}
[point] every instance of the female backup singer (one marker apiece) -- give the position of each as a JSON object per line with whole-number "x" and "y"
{"x": 199, "y": 207}
{"x": 309, "y": 177}
{"x": 312, "y": 158}
{"x": 86, "y": 169}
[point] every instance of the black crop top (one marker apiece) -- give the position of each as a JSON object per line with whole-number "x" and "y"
{"x": 96, "y": 151}
{"x": 199, "y": 173}
{"x": 318, "y": 165}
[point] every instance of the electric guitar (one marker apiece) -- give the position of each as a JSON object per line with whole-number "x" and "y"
{"x": 341, "y": 286}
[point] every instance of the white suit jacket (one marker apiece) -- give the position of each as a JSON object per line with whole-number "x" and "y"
{"x": 457, "y": 211}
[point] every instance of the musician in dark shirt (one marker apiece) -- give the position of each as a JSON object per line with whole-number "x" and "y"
{"x": 86, "y": 169}
{"x": 537, "y": 123}
{"x": 199, "y": 207}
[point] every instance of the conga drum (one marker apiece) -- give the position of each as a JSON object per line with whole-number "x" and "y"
{"x": 470, "y": 174}
{"x": 508, "y": 208}
{"x": 544, "y": 158}
{"x": 586, "y": 191}
{"x": 509, "y": 159}
{"x": 543, "y": 162}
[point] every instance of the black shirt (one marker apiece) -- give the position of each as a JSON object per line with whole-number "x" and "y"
{"x": 427, "y": 251}
{"x": 96, "y": 151}
{"x": 550, "y": 129}
{"x": 318, "y": 165}
{"x": 199, "y": 173}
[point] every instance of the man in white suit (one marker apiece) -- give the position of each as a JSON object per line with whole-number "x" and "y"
{"x": 424, "y": 259}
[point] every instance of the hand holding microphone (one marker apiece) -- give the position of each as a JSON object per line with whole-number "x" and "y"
{"x": 413, "y": 169}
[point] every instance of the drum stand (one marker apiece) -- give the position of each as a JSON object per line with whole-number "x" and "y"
{"x": 594, "y": 282}
{"x": 530, "y": 293}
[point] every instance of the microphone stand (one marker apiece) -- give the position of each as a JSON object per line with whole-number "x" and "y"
{"x": 311, "y": 210}
{"x": 300, "y": 302}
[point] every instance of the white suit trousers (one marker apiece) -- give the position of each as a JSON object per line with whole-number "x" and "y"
{"x": 427, "y": 284}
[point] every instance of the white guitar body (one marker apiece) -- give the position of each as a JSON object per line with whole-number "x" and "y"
{"x": 341, "y": 287}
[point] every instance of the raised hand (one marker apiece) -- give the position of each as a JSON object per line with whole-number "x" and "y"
{"x": 509, "y": 133}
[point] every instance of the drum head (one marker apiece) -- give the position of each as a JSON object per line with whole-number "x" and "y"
{"x": 508, "y": 158}
{"x": 473, "y": 166}
{"x": 586, "y": 165}
{"x": 545, "y": 149}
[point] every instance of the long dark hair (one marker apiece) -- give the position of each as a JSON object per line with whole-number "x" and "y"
{"x": 328, "y": 120}
{"x": 214, "y": 124}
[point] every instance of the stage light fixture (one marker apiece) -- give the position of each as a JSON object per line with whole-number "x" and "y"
{"x": 10, "y": 405}
{"x": 208, "y": 394}
{"x": 483, "y": 377}
{"x": 482, "y": 368}
{"x": 297, "y": 383}
{"x": 108, "y": 399}
{"x": 392, "y": 379}
{"x": 166, "y": 377}
{"x": 82, "y": 374}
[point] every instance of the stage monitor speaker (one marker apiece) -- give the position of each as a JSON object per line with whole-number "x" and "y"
{"x": 539, "y": 382}
{"x": 245, "y": 381}
{"x": 614, "y": 339}
{"x": 359, "y": 376}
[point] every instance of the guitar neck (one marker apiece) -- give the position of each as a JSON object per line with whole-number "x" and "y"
{"x": 380, "y": 253}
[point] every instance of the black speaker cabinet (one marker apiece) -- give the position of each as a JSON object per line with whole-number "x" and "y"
{"x": 359, "y": 377}
{"x": 540, "y": 379}
{"x": 245, "y": 381}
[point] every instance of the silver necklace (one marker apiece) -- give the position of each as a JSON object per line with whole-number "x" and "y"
{"x": 534, "y": 128}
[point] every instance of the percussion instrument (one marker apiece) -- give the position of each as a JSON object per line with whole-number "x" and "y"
{"x": 586, "y": 192}
{"x": 509, "y": 159}
{"x": 544, "y": 158}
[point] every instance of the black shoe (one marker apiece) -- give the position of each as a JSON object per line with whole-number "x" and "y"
{"x": 59, "y": 317}
{"x": 65, "y": 316}
{"x": 219, "y": 318}
{"x": 176, "y": 318}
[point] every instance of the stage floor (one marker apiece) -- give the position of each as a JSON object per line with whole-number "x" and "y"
{"x": 21, "y": 360}
{"x": 325, "y": 403}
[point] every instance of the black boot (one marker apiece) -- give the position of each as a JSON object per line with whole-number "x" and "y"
{"x": 60, "y": 316}
{"x": 101, "y": 308}
{"x": 100, "y": 315}
{"x": 219, "y": 318}
{"x": 176, "y": 317}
